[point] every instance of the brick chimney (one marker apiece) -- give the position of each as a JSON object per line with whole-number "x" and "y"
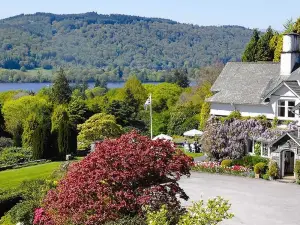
{"x": 290, "y": 55}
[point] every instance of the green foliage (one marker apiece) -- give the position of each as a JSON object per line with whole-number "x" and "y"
{"x": 57, "y": 116}
{"x": 183, "y": 118}
{"x": 98, "y": 127}
{"x": 264, "y": 52}
{"x": 158, "y": 217}
{"x": 30, "y": 125}
{"x": 122, "y": 46}
{"x": 272, "y": 169}
{"x": 250, "y": 52}
{"x": 275, "y": 122}
{"x": 164, "y": 95}
{"x": 136, "y": 88}
{"x": 226, "y": 162}
{"x": 296, "y": 26}
{"x": 180, "y": 78}
{"x": 64, "y": 137}
{"x": 2, "y": 122}
{"x": 13, "y": 155}
{"x": 17, "y": 111}
{"x": 213, "y": 212}
{"x": 5, "y": 142}
{"x": 160, "y": 122}
{"x": 297, "y": 169}
{"x": 61, "y": 91}
{"x": 42, "y": 145}
{"x": 78, "y": 111}
{"x": 95, "y": 92}
{"x": 266, "y": 176}
{"x": 204, "y": 115}
{"x": 249, "y": 161}
{"x": 260, "y": 168}
{"x": 257, "y": 148}
{"x": 32, "y": 193}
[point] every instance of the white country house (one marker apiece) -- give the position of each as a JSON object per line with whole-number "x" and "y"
{"x": 269, "y": 89}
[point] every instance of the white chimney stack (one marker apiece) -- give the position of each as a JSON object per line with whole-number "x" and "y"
{"x": 290, "y": 53}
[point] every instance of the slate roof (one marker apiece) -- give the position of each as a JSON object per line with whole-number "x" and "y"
{"x": 248, "y": 83}
{"x": 294, "y": 86}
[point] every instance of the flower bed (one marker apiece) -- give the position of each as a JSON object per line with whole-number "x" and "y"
{"x": 215, "y": 167}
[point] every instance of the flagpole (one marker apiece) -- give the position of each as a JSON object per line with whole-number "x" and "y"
{"x": 151, "y": 116}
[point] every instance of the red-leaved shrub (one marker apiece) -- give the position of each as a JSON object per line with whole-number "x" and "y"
{"x": 118, "y": 179}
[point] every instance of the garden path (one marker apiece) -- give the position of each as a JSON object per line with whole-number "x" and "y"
{"x": 254, "y": 201}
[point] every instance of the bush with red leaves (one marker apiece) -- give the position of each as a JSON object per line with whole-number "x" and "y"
{"x": 119, "y": 178}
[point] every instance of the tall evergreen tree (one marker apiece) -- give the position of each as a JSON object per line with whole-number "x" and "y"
{"x": 61, "y": 91}
{"x": 264, "y": 51}
{"x": 251, "y": 48}
{"x": 42, "y": 140}
{"x": 181, "y": 78}
{"x": 64, "y": 139}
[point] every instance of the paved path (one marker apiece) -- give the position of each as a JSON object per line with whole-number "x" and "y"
{"x": 254, "y": 202}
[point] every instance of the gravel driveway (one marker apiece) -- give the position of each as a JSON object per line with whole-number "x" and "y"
{"x": 254, "y": 202}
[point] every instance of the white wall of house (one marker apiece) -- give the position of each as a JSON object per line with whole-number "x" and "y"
{"x": 270, "y": 110}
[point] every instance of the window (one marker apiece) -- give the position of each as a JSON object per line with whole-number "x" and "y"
{"x": 281, "y": 108}
{"x": 264, "y": 150}
{"x": 284, "y": 107}
{"x": 291, "y": 105}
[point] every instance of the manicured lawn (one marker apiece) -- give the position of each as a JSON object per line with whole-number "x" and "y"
{"x": 194, "y": 155}
{"x": 12, "y": 178}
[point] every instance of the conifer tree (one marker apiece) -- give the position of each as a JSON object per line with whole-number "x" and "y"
{"x": 181, "y": 78}
{"x": 64, "y": 136}
{"x": 61, "y": 91}
{"x": 251, "y": 48}
{"x": 264, "y": 52}
{"x": 41, "y": 140}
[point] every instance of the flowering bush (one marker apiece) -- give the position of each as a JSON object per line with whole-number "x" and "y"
{"x": 118, "y": 179}
{"x": 215, "y": 167}
{"x": 227, "y": 138}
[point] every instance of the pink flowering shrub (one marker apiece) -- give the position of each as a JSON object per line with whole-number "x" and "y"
{"x": 216, "y": 167}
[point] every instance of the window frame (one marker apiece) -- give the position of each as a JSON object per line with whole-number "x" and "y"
{"x": 286, "y": 108}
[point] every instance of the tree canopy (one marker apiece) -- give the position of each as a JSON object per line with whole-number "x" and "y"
{"x": 110, "y": 47}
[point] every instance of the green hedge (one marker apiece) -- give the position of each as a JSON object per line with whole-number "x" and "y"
{"x": 14, "y": 155}
{"x": 8, "y": 199}
{"x": 249, "y": 161}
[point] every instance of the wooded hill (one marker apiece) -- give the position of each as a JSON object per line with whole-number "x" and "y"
{"x": 113, "y": 46}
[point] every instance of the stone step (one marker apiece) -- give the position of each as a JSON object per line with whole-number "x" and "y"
{"x": 288, "y": 181}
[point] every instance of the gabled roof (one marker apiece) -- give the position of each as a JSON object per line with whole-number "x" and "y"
{"x": 250, "y": 83}
{"x": 293, "y": 135}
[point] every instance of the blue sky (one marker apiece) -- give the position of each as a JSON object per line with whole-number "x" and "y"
{"x": 253, "y": 13}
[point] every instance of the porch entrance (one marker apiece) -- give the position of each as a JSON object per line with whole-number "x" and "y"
{"x": 288, "y": 163}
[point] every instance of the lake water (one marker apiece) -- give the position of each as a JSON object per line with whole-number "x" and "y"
{"x": 37, "y": 86}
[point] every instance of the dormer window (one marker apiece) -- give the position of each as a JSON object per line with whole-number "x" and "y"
{"x": 285, "y": 107}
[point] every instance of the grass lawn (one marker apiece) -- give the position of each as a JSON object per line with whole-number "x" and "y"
{"x": 194, "y": 155}
{"x": 12, "y": 178}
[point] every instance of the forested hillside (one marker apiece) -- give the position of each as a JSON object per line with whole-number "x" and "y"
{"x": 113, "y": 46}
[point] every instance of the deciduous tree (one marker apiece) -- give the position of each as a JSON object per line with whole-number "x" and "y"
{"x": 121, "y": 177}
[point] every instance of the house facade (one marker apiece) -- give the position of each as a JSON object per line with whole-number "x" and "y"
{"x": 269, "y": 89}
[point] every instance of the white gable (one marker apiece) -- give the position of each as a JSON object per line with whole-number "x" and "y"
{"x": 283, "y": 91}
